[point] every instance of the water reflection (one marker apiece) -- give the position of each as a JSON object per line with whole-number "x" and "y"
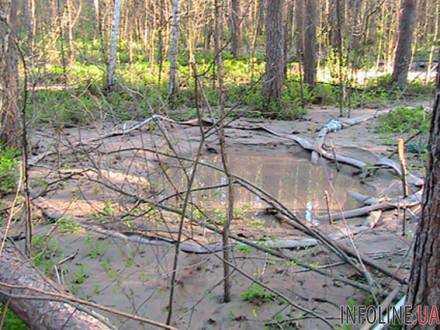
{"x": 289, "y": 177}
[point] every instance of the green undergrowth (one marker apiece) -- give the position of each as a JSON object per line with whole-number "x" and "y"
{"x": 412, "y": 124}
{"x": 405, "y": 120}
{"x": 8, "y": 169}
{"x": 77, "y": 96}
{"x": 257, "y": 294}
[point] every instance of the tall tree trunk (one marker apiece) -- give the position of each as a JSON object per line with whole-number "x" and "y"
{"x": 288, "y": 35}
{"x": 28, "y": 15}
{"x": 424, "y": 287}
{"x": 235, "y": 27}
{"x": 336, "y": 20}
{"x": 160, "y": 39}
{"x": 113, "y": 46}
{"x": 69, "y": 9}
{"x": 299, "y": 35}
{"x": 100, "y": 32}
{"x": 402, "y": 58}
{"x": 309, "y": 40}
{"x": 173, "y": 51}
{"x": 274, "y": 77}
{"x": 260, "y": 19}
{"x": 299, "y": 26}
{"x": 9, "y": 130}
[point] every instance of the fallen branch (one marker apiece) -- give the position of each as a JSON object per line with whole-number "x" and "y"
{"x": 349, "y": 251}
{"x": 410, "y": 201}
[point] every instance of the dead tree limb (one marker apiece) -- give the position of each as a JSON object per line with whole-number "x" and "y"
{"x": 349, "y": 251}
{"x": 16, "y": 269}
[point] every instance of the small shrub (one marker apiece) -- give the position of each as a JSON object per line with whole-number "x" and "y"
{"x": 243, "y": 248}
{"x": 80, "y": 275}
{"x": 68, "y": 226}
{"x": 405, "y": 120}
{"x": 255, "y": 293}
{"x": 45, "y": 252}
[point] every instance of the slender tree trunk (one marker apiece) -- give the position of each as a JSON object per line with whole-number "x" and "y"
{"x": 160, "y": 38}
{"x": 28, "y": 20}
{"x": 100, "y": 32}
{"x": 274, "y": 77}
{"x": 299, "y": 35}
{"x": 402, "y": 57}
{"x": 113, "y": 46}
{"x": 288, "y": 35}
{"x": 309, "y": 40}
{"x": 218, "y": 39}
{"x": 9, "y": 130}
{"x": 173, "y": 51}
{"x": 60, "y": 21}
{"x": 69, "y": 9}
{"x": 435, "y": 37}
{"x": 299, "y": 26}
{"x": 355, "y": 25}
{"x": 424, "y": 287}
{"x": 235, "y": 27}
{"x": 340, "y": 19}
{"x": 260, "y": 19}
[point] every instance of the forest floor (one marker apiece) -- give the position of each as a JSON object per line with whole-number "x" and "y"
{"x": 89, "y": 190}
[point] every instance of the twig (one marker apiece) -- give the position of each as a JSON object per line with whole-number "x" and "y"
{"x": 3, "y": 316}
{"x": 11, "y": 213}
{"x": 402, "y": 159}
{"x": 327, "y": 202}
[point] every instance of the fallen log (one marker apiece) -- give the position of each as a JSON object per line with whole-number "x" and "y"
{"x": 350, "y": 252}
{"x": 410, "y": 201}
{"x": 317, "y": 149}
{"x": 16, "y": 269}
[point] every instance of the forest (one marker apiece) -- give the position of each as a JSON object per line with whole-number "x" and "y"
{"x": 219, "y": 164}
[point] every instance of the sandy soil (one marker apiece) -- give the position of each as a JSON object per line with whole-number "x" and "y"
{"x": 135, "y": 277}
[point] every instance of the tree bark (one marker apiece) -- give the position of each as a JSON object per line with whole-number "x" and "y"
{"x": 9, "y": 130}
{"x": 402, "y": 57}
{"x": 274, "y": 77}
{"x": 299, "y": 26}
{"x": 235, "y": 27}
{"x": 100, "y": 32}
{"x": 309, "y": 40}
{"x": 113, "y": 47}
{"x": 16, "y": 269}
{"x": 424, "y": 287}
{"x": 173, "y": 51}
{"x": 288, "y": 34}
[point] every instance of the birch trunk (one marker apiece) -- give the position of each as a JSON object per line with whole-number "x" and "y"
{"x": 173, "y": 51}
{"x": 113, "y": 47}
